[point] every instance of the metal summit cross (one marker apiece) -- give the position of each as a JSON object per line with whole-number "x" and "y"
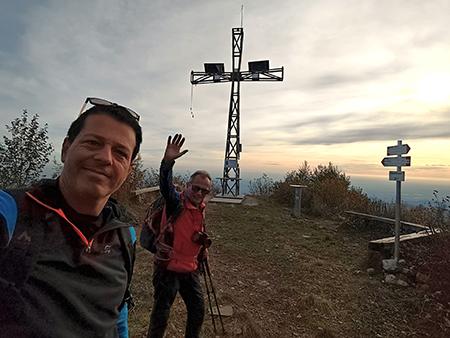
{"x": 215, "y": 73}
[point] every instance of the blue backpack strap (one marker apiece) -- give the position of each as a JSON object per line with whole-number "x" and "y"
{"x": 128, "y": 239}
{"x": 8, "y": 209}
{"x": 133, "y": 234}
{"x": 122, "y": 323}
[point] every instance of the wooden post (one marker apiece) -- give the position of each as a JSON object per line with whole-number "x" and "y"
{"x": 298, "y": 198}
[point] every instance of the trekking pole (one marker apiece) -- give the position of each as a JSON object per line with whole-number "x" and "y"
{"x": 214, "y": 294}
{"x": 209, "y": 297}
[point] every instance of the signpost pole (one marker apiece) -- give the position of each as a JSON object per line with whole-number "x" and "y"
{"x": 398, "y": 210}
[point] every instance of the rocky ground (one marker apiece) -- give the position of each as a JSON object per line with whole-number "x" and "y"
{"x": 284, "y": 276}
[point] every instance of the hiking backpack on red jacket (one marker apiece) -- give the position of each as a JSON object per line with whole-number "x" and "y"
{"x": 174, "y": 250}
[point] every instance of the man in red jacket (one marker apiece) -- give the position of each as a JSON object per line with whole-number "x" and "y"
{"x": 182, "y": 246}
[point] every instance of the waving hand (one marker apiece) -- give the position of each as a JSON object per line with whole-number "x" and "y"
{"x": 173, "y": 148}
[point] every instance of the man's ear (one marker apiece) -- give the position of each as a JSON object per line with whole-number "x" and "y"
{"x": 130, "y": 167}
{"x": 65, "y": 148}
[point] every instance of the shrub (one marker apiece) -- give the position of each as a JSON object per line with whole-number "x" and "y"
{"x": 435, "y": 216}
{"x": 357, "y": 200}
{"x": 329, "y": 197}
{"x": 151, "y": 178}
{"x": 133, "y": 182}
{"x": 380, "y": 208}
{"x": 439, "y": 210}
{"x": 328, "y": 191}
{"x": 215, "y": 187}
{"x": 300, "y": 176}
{"x": 262, "y": 186}
{"x": 283, "y": 193}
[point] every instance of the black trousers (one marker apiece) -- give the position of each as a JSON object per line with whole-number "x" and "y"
{"x": 167, "y": 284}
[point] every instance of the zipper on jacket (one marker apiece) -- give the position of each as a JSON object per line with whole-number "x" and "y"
{"x": 61, "y": 213}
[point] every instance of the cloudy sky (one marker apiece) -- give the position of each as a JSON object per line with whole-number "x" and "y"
{"x": 359, "y": 75}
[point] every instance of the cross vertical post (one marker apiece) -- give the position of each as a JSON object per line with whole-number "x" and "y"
{"x": 215, "y": 73}
{"x": 231, "y": 170}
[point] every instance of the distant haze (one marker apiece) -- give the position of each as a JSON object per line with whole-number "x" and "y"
{"x": 414, "y": 191}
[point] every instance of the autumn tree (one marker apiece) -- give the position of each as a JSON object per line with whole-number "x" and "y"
{"x": 24, "y": 155}
{"x": 134, "y": 181}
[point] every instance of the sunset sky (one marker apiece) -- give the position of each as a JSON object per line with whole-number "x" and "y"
{"x": 359, "y": 75}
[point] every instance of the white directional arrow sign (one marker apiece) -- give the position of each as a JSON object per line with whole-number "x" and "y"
{"x": 396, "y": 176}
{"x": 398, "y": 150}
{"x": 396, "y": 161}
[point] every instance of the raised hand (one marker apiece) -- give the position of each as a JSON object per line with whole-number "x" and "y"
{"x": 173, "y": 148}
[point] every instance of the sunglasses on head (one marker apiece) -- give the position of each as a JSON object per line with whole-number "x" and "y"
{"x": 101, "y": 102}
{"x": 196, "y": 188}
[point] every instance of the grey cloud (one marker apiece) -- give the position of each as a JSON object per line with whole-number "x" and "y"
{"x": 432, "y": 166}
{"x": 409, "y": 130}
{"x": 272, "y": 163}
{"x": 341, "y": 77}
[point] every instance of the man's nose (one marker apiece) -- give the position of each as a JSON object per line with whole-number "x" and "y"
{"x": 105, "y": 155}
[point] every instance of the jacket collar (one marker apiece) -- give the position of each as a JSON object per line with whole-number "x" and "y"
{"x": 47, "y": 191}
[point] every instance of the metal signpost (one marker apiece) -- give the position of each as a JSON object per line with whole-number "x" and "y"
{"x": 397, "y": 176}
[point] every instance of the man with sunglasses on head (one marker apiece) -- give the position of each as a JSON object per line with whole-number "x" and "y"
{"x": 178, "y": 269}
{"x": 66, "y": 247}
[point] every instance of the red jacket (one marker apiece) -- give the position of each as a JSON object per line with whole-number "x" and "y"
{"x": 184, "y": 252}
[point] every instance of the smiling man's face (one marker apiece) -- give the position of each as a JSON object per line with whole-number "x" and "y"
{"x": 98, "y": 161}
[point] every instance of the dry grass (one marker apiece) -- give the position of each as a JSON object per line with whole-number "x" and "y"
{"x": 307, "y": 277}
{"x": 288, "y": 277}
